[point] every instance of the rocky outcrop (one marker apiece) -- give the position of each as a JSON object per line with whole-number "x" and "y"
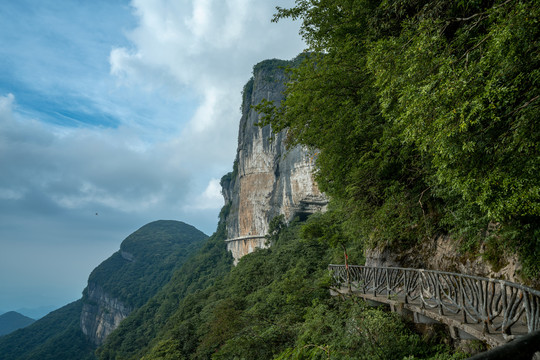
{"x": 101, "y": 314}
{"x": 268, "y": 180}
{"x": 443, "y": 253}
{"x": 131, "y": 276}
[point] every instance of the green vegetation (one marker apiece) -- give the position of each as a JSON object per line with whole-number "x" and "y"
{"x": 12, "y": 321}
{"x": 145, "y": 326}
{"x": 157, "y": 249}
{"x": 274, "y": 304}
{"x": 425, "y": 115}
{"x": 55, "y": 336}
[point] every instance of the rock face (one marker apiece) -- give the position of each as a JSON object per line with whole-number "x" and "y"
{"x": 131, "y": 276}
{"x": 442, "y": 253}
{"x": 268, "y": 180}
{"x": 101, "y": 314}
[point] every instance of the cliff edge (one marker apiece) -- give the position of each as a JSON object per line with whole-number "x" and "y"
{"x": 268, "y": 180}
{"x": 126, "y": 280}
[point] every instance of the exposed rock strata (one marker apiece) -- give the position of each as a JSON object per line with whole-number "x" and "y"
{"x": 128, "y": 278}
{"x": 241, "y": 246}
{"x": 443, "y": 254}
{"x": 268, "y": 180}
{"x": 101, "y": 314}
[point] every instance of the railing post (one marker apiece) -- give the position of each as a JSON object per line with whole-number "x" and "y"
{"x": 387, "y": 279}
{"x": 438, "y": 293}
{"x": 375, "y": 273}
{"x": 405, "y": 286}
{"x": 462, "y": 299}
{"x": 485, "y": 327}
{"x": 421, "y": 287}
{"x": 505, "y": 329}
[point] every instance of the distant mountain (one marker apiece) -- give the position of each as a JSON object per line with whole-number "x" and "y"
{"x": 38, "y": 312}
{"x": 12, "y": 321}
{"x": 55, "y": 336}
{"x": 122, "y": 283}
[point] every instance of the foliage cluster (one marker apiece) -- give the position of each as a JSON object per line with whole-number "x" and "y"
{"x": 425, "y": 115}
{"x": 274, "y": 303}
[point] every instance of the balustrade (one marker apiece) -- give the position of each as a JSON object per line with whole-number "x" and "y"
{"x": 499, "y": 306}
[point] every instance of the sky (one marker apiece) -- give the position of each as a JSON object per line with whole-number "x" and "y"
{"x": 113, "y": 114}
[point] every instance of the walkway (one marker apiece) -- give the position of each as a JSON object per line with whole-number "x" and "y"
{"x": 494, "y": 311}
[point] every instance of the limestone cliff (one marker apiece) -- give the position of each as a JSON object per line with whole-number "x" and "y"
{"x": 268, "y": 180}
{"x": 101, "y": 314}
{"x": 126, "y": 280}
{"x": 443, "y": 253}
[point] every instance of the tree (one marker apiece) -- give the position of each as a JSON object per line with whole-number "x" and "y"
{"x": 425, "y": 115}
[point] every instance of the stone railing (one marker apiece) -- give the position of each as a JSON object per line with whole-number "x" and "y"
{"x": 243, "y": 245}
{"x": 498, "y": 306}
{"x": 246, "y": 237}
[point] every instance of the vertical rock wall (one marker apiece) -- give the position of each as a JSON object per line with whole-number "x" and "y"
{"x": 268, "y": 180}
{"x": 131, "y": 276}
{"x": 101, "y": 314}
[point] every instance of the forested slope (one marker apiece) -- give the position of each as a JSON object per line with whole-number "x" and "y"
{"x": 142, "y": 329}
{"x": 55, "y": 336}
{"x": 146, "y": 260}
{"x": 154, "y": 252}
{"x": 274, "y": 303}
{"x": 426, "y": 117}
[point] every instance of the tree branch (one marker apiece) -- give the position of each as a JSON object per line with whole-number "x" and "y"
{"x": 525, "y": 105}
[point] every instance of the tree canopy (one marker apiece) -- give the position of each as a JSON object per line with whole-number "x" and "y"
{"x": 425, "y": 116}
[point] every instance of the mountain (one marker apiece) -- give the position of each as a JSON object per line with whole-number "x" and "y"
{"x": 55, "y": 336}
{"x": 146, "y": 326}
{"x": 125, "y": 281}
{"x": 38, "y": 312}
{"x": 275, "y": 301}
{"x": 122, "y": 283}
{"x": 12, "y": 321}
{"x": 268, "y": 180}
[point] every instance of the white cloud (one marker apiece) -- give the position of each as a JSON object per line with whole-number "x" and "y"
{"x": 6, "y": 106}
{"x": 86, "y": 167}
{"x": 11, "y": 194}
{"x": 136, "y": 128}
{"x": 200, "y": 50}
{"x": 206, "y": 115}
{"x": 207, "y": 46}
{"x": 210, "y": 198}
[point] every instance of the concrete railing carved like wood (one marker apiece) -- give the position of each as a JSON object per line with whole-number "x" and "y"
{"x": 491, "y": 310}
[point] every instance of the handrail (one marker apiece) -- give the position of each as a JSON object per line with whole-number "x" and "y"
{"x": 524, "y": 347}
{"x": 246, "y": 237}
{"x": 500, "y": 306}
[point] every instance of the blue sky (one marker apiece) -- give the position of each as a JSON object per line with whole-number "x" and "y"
{"x": 127, "y": 109}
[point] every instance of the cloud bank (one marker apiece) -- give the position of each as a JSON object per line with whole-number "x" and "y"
{"x": 112, "y": 115}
